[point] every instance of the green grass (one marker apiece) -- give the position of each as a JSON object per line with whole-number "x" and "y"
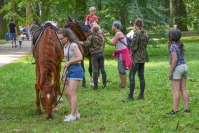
{"x": 2, "y": 41}
{"x": 102, "y": 110}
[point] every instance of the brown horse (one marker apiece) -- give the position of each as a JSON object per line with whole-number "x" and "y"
{"x": 48, "y": 54}
{"x": 82, "y": 32}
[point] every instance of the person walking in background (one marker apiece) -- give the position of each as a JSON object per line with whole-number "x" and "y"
{"x": 95, "y": 43}
{"x": 178, "y": 72}
{"x": 19, "y": 39}
{"x": 121, "y": 52}
{"x": 13, "y": 33}
{"x": 139, "y": 57}
{"x": 91, "y": 18}
{"x": 75, "y": 72}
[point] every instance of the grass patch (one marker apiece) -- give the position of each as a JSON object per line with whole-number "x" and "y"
{"x": 102, "y": 110}
{"x": 2, "y": 41}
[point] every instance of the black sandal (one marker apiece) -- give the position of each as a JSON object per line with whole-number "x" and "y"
{"x": 172, "y": 112}
{"x": 187, "y": 111}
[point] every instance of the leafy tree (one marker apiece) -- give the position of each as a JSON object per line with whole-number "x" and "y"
{"x": 193, "y": 17}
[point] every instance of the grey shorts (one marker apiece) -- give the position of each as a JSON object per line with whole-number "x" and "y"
{"x": 121, "y": 66}
{"x": 180, "y": 72}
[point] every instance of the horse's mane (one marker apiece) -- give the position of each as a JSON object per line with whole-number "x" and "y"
{"x": 48, "y": 56}
{"x": 81, "y": 25}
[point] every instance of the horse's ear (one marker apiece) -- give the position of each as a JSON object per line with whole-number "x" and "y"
{"x": 69, "y": 19}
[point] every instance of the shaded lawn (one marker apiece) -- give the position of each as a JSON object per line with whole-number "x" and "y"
{"x": 102, "y": 110}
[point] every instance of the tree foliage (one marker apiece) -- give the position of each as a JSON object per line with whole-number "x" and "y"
{"x": 153, "y": 12}
{"x": 193, "y": 17}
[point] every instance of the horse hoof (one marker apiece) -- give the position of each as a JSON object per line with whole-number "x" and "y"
{"x": 37, "y": 112}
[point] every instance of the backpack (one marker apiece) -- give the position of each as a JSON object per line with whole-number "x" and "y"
{"x": 129, "y": 41}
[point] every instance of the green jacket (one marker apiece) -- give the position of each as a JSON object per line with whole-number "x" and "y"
{"x": 95, "y": 43}
{"x": 139, "y": 47}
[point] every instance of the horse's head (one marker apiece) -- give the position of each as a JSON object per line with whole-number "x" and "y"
{"x": 48, "y": 98}
{"x": 81, "y": 30}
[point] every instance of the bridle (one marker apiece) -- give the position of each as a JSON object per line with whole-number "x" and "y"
{"x": 48, "y": 108}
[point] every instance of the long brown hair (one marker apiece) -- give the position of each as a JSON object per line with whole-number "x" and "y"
{"x": 71, "y": 37}
{"x": 139, "y": 23}
{"x": 181, "y": 45}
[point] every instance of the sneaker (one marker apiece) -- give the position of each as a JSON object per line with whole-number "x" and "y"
{"x": 172, "y": 112}
{"x": 77, "y": 115}
{"x": 187, "y": 111}
{"x": 91, "y": 79}
{"x": 94, "y": 88}
{"x": 121, "y": 86}
{"x": 12, "y": 46}
{"x": 128, "y": 100}
{"x": 69, "y": 118}
{"x": 98, "y": 79}
{"x": 91, "y": 83}
{"x": 140, "y": 97}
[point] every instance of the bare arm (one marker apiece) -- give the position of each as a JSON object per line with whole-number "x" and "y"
{"x": 173, "y": 64}
{"x": 75, "y": 60}
{"x": 117, "y": 36}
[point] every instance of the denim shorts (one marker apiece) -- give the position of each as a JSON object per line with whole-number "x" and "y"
{"x": 12, "y": 36}
{"x": 121, "y": 66}
{"x": 75, "y": 72}
{"x": 180, "y": 72}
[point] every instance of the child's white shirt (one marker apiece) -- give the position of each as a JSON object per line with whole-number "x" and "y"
{"x": 19, "y": 38}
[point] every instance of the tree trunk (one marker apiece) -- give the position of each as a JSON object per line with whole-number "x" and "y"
{"x": 29, "y": 15}
{"x": 45, "y": 11}
{"x": 3, "y": 25}
{"x": 171, "y": 21}
{"x": 182, "y": 16}
{"x": 123, "y": 20}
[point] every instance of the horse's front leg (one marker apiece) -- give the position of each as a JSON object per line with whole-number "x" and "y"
{"x": 57, "y": 85}
{"x": 37, "y": 109}
{"x": 84, "y": 80}
{"x": 37, "y": 89}
{"x": 90, "y": 69}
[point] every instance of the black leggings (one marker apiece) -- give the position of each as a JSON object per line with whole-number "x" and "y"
{"x": 98, "y": 61}
{"x": 140, "y": 68}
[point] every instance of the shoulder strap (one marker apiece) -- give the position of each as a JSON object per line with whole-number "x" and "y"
{"x": 122, "y": 42}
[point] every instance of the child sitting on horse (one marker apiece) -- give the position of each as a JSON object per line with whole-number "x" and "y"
{"x": 91, "y": 18}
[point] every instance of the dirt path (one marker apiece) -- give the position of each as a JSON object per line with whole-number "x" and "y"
{"x": 9, "y": 54}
